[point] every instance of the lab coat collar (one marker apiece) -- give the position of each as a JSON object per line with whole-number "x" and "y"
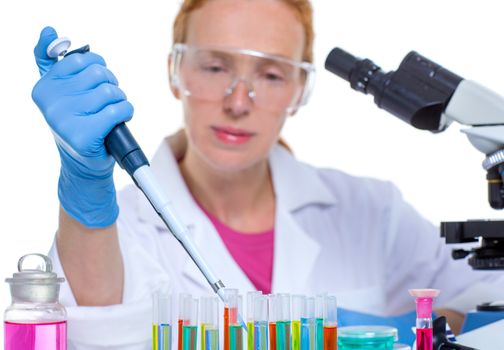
{"x": 296, "y": 184}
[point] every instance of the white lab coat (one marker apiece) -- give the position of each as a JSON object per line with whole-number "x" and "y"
{"x": 354, "y": 237}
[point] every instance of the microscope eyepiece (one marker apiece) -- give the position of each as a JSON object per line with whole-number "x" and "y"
{"x": 363, "y": 75}
{"x": 341, "y": 63}
{"x": 418, "y": 92}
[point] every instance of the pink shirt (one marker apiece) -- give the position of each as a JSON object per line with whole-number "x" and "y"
{"x": 253, "y": 252}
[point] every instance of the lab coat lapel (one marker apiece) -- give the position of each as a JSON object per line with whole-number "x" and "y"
{"x": 296, "y": 186}
{"x": 295, "y": 255}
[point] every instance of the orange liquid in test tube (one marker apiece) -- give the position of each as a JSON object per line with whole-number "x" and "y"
{"x": 226, "y": 328}
{"x": 180, "y": 324}
{"x": 330, "y": 337}
{"x": 272, "y": 335}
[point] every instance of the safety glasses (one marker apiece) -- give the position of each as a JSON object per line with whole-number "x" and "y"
{"x": 272, "y": 82}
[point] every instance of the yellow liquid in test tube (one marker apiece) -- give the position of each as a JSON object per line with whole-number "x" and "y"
{"x": 155, "y": 340}
{"x": 250, "y": 335}
{"x": 296, "y": 335}
{"x": 203, "y": 347}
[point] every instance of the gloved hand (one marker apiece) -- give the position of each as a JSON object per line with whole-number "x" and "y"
{"x": 81, "y": 102}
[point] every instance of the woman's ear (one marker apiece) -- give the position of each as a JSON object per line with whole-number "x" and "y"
{"x": 173, "y": 81}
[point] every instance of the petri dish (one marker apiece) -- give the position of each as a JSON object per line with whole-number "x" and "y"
{"x": 366, "y": 337}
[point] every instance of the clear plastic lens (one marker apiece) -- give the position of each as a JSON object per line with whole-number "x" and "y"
{"x": 212, "y": 74}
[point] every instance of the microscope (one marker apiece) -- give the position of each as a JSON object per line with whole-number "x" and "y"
{"x": 430, "y": 97}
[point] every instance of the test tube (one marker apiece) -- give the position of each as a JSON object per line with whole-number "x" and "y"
{"x": 272, "y": 319}
{"x": 250, "y": 318}
{"x": 330, "y": 323}
{"x": 165, "y": 321}
{"x": 319, "y": 321}
{"x": 236, "y": 329}
{"x": 181, "y": 318}
{"x": 190, "y": 327}
{"x": 423, "y": 300}
{"x": 230, "y": 313}
{"x": 308, "y": 325}
{"x": 155, "y": 320}
{"x": 298, "y": 308}
{"x": 260, "y": 312}
{"x": 209, "y": 323}
{"x": 283, "y": 324}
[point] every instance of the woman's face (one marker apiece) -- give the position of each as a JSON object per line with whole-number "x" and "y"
{"x": 235, "y": 133}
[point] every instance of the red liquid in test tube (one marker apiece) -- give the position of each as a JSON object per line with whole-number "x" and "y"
{"x": 424, "y": 338}
{"x": 423, "y": 300}
{"x": 272, "y": 336}
{"x": 226, "y": 328}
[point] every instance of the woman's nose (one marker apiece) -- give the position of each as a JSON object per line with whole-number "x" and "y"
{"x": 239, "y": 98}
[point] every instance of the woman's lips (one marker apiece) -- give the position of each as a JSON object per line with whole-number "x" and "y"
{"x": 232, "y": 136}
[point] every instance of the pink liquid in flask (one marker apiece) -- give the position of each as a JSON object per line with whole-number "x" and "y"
{"x": 35, "y": 336}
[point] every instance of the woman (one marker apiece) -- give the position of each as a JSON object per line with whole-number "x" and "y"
{"x": 262, "y": 219}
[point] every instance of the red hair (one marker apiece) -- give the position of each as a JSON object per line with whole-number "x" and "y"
{"x": 302, "y": 9}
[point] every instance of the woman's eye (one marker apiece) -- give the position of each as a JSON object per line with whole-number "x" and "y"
{"x": 273, "y": 76}
{"x": 213, "y": 68}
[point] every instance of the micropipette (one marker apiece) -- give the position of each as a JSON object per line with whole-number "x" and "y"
{"x": 121, "y": 144}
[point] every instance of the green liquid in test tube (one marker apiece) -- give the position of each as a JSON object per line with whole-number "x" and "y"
{"x": 190, "y": 335}
{"x": 283, "y": 325}
{"x": 283, "y": 333}
{"x": 190, "y": 330}
{"x": 319, "y": 321}
{"x": 236, "y": 337}
{"x": 183, "y": 318}
{"x": 235, "y": 328}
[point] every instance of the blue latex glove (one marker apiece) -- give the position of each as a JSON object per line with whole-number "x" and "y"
{"x": 81, "y": 102}
{"x": 403, "y": 322}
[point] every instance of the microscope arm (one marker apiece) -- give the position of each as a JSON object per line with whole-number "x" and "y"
{"x": 475, "y": 105}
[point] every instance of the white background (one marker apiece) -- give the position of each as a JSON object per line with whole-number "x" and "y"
{"x": 440, "y": 174}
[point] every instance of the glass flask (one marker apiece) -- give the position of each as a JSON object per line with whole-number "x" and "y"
{"x": 35, "y": 320}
